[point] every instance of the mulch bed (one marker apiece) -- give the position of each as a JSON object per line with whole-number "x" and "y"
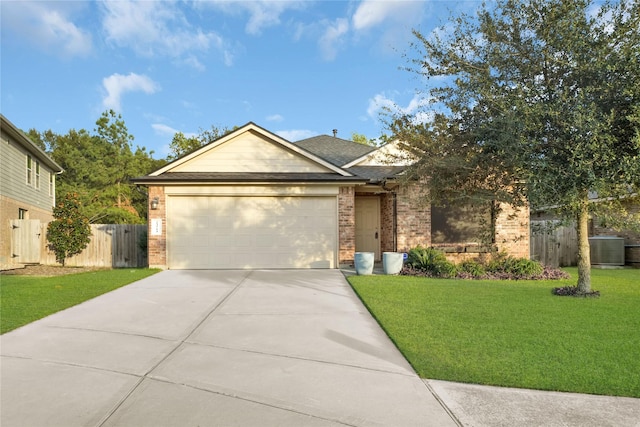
{"x": 46, "y": 270}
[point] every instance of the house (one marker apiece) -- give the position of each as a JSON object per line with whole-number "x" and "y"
{"x": 27, "y": 184}
{"x": 252, "y": 199}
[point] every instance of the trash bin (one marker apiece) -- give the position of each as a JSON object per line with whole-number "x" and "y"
{"x": 392, "y": 262}
{"x": 363, "y": 262}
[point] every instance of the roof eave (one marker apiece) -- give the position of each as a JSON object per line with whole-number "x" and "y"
{"x": 26, "y": 142}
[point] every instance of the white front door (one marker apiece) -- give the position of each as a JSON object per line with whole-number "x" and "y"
{"x": 368, "y": 225}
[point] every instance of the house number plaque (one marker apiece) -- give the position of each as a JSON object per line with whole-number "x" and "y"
{"x": 156, "y": 226}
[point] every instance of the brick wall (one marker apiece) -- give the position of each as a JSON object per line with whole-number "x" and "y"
{"x": 512, "y": 231}
{"x": 386, "y": 223}
{"x": 414, "y": 218}
{"x": 157, "y": 248}
{"x": 346, "y": 224}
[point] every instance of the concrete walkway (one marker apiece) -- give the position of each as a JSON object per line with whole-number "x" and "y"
{"x": 249, "y": 348}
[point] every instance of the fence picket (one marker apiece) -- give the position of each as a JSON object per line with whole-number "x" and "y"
{"x": 111, "y": 246}
{"x": 554, "y": 244}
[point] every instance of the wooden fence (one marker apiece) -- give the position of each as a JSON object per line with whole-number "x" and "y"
{"x": 553, "y": 243}
{"x": 111, "y": 246}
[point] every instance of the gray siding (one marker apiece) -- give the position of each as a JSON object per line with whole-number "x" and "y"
{"x": 13, "y": 176}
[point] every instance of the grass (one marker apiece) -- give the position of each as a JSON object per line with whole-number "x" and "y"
{"x": 514, "y": 333}
{"x": 24, "y": 299}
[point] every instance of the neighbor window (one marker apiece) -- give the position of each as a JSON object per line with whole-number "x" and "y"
{"x": 37, "y": 174}
{"x": 29, "y": 170}
{"x": 51, "y": 183}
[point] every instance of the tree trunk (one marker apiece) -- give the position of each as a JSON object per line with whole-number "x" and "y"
{"x": 584, "y": 254}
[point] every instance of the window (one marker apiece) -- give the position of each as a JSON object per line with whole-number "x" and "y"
{"x": 460, "y": 224}
{"x": 23, "y": 213}
{"x": 52, "y": 178}
{"x": 37, "y": 174}
{"x": 29, "y": 170}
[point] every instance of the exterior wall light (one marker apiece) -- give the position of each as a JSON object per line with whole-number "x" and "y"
{"x": 154, "y": 203}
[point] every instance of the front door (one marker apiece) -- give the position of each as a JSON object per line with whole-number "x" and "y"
{"x": 368, "y": 225}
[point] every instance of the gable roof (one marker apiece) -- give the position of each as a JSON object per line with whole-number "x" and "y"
{"x": 22, "y": 139}
{"x": 269, "y": 136}
{"x": 338, "y": 151}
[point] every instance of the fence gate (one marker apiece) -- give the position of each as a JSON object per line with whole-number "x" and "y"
{"x": 553, "y": 243}
{"x": 26, "y": 235}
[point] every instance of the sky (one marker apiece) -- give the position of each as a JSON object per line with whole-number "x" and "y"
{"x": 296, "y": 68}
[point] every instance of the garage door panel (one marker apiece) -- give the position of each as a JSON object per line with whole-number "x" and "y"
{"x": 251, "y": 232}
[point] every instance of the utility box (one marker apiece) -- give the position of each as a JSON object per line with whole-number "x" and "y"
{"x": 607, "y": 250}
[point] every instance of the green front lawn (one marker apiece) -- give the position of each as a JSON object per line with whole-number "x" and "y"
{"x": 514, "y": 333}
{"x": 24, "y": 299}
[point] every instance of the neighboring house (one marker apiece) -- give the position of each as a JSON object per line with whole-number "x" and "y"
{"x": 252, "y": 199}
{"x": 27, "y": 183}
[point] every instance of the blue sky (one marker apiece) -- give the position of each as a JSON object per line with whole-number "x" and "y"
{"x": 296, "y": 68}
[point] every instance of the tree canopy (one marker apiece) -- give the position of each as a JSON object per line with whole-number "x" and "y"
{"x": 97, "y": 167}
{"x": 530, "y": 102}
{"x": 182, "y": 144}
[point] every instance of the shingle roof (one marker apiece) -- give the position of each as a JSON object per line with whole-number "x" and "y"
{"x": 377, "y": 173}
{"x": 246, "y": 177}
{"x": 334, "y": 150}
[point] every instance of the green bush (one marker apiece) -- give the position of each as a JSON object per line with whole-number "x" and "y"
{"x": 516, "y": 267}
{"x": 432, "y": 261}
{"x": 472, "y": 268}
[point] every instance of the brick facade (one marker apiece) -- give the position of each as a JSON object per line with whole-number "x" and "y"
{"x": 512, "y": 231}
{"x": 412, "y": 226}
{"x": 413, "y": 219}
{"x": 157, "y": 248}
{"x": 387, "y": 243}
{"x": 346, "y": 224}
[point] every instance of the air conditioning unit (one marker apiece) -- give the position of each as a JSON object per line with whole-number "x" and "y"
{"x": 607, "y": 250}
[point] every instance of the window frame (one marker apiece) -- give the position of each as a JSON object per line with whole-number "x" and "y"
{"x": 29, "y": 170}
{"x": 37, "y": 175}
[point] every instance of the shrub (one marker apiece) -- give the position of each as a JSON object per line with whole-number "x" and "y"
{"x": 69, "y": 233}
{"x": 471, "y": 269}
{"x": 432, "y": 261}
{"x": 517, "y": 268}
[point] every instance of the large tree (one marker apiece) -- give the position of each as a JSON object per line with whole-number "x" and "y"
{"x": 535, "y": 101}
{"x": 97, "y": 167}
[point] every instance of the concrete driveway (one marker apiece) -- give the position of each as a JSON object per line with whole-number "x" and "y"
{"x": 207, "y": 348}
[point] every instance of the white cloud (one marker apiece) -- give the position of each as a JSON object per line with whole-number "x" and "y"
{"x": 117, "y": 84}
{"x": 164, "y": 130}
{"x": 153, "y": 28}
{"x": 296, "y": 134}
{"x": 371, "y": 13}
{"x": 47, "y": 25}
{"x": 275, "y": 118}
{"x": 381, "y": 104}
{"x": 332, "y": 38}
{"x": 262, "y": 13}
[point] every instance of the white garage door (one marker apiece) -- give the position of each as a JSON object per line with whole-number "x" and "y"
{"x": 251, "y": 232}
